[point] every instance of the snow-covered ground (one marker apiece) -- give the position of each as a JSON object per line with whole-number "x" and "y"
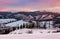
{"x": 33, "y": 31}
{"x": 31, "y": 36}
{"x": 6, "y": 20}
{"x": 17, "y": 23}
{"x": 24, "y": 33}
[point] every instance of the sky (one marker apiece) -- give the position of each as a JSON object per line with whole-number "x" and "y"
{"x": 30, "y": 5}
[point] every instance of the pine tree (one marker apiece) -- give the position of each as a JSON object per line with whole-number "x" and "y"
{"x": 27, "y": 26}
{"x": 44, "y": 26}
{"x": 37, "y": 24}
{"x": 21, "y": 26}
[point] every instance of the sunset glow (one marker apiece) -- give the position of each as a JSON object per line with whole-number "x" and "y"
{"x": 28, "y": 5}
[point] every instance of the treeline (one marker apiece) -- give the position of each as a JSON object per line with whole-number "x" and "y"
{"x": 31, "y": 26}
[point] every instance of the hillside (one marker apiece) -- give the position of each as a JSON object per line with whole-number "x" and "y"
{"x": 28, "y": 15}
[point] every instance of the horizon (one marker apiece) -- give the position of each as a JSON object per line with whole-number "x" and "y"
{"x": 14, "y": 11}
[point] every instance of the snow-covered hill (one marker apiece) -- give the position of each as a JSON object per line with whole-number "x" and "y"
{"x": 17, "y": 23}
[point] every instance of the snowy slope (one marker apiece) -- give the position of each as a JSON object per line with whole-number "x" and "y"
{"x": 6, "y": 20}
{"x": 17, "y": 23}
{"x": 31, "y": 36}
{"x": 33, "y": 31}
